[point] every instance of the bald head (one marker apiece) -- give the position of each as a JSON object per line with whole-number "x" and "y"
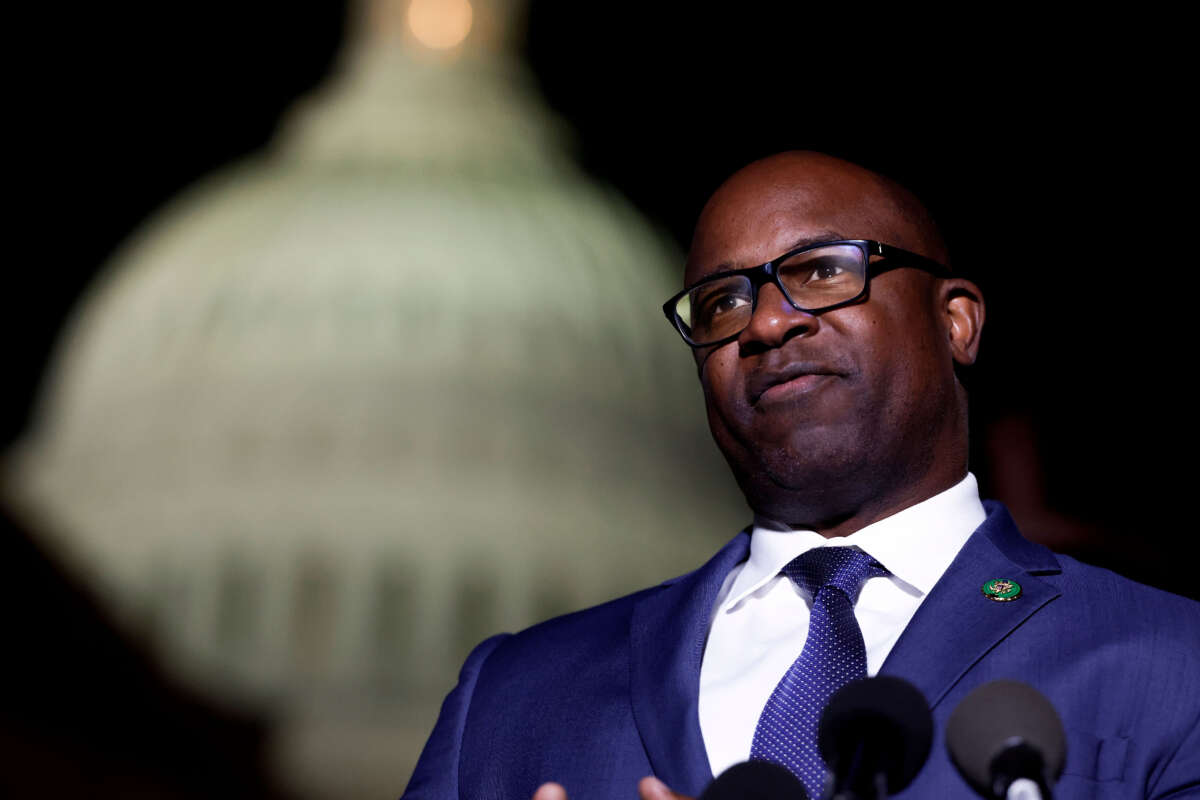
{"x": 837, "y": 195}
{"x": 836, "y": 418}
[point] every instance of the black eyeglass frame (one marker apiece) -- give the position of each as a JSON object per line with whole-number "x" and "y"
{"x": 891, "y": 258}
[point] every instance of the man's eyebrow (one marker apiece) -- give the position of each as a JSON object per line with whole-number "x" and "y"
{"x": 816, "y": 238}
{"x": 803, "y": 241}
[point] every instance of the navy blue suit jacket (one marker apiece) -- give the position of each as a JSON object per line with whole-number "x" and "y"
{"x": 598, "y": 699}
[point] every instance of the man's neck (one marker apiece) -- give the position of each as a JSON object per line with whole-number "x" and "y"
{"x": 865, "y": 514}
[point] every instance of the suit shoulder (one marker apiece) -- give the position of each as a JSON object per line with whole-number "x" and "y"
{"x": 1122, "y": 603}
{"x": 1091, "y": 578}
{"x": 595, "y": 643}
{"x": 570, "y": 641}
{"x": 599, "y": 627}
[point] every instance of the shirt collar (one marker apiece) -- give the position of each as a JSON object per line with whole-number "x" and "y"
{"x": 916, "y": 544}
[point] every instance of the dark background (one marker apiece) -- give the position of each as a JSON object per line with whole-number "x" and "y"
{"x": 1054, "y": 153}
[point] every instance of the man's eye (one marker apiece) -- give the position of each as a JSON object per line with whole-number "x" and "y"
{"x": 725, "y": 304}
{"x": 826, "y": 271}
{"x": 717, "y": 304}
{"x": 729, "y": 302}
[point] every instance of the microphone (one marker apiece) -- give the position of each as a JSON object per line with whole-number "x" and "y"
{"x": 875, "y": 735}
{"x": 1007, "y": 741}
{"x": 755, "y": 780}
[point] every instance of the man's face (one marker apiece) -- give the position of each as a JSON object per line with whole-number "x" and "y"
{"x": 819, "y": 414}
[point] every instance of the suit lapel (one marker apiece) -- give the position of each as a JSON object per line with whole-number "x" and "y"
{"x": 953, "y": 629}
{"x": 957, "y": 625}
{"x": 667, "y": 636}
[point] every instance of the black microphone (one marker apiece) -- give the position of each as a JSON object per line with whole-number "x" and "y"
{"x": 755, "y": 780}
{"x": 1007, "y": 741}
{"x": 875, "y": 736}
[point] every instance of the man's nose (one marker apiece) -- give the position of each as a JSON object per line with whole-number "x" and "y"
{"x": 775, "y": 320}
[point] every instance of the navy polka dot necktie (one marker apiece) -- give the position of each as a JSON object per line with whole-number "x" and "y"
{"x": 833, "y": 655}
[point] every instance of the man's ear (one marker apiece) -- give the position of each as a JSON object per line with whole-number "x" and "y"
{"x": 962, "y": 304}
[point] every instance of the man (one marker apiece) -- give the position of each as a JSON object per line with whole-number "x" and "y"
{"x": 839, "y": 409}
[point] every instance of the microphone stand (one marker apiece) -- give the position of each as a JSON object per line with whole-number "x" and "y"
{"x": 1024, "y": 789}
{"x": 843, "y": 790}
{"x": 1018, "y": 774}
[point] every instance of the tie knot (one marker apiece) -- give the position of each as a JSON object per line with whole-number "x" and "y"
{"x": 844, "y": 568}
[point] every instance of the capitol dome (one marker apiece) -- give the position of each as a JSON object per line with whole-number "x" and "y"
{"x": 342, "y": 410}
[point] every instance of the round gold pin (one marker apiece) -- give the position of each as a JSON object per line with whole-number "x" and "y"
{"x": 1002, "y": 590}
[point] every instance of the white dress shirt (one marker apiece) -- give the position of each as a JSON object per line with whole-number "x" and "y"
{"x": 760, "y": 618}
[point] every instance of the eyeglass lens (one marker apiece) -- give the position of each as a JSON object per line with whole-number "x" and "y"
{"x": 814, "y": 279}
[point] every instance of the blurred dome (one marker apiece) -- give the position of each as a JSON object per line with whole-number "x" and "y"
{"x": 342, "y": 410}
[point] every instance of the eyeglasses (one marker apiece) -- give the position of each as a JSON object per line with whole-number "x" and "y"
{"x": 817, "y": 277}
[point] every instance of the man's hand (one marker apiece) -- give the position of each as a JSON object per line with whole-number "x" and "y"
{"x": 649, "y": 788}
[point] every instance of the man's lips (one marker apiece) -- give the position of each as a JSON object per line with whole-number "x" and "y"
{"x": 798, "y": 376}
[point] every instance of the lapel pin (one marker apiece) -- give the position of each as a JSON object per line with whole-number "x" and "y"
{"x": 1001, "y": 590}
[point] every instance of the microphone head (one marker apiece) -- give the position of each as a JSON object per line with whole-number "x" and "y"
{"x": 755, "y": 780}
{"x": 880, "y": 724}
{"x": 1005, "y": 717}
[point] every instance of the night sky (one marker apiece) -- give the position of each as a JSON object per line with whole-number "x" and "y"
{"x": 1051, "y": 150}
